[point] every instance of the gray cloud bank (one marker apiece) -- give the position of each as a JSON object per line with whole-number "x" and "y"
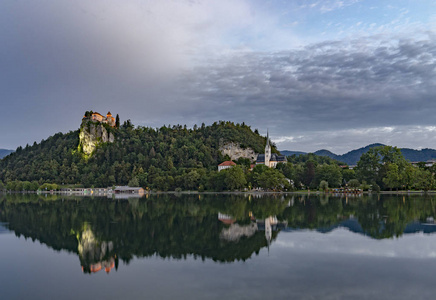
{"x": 154, "y": 67}
{"x": 356, "y": 87}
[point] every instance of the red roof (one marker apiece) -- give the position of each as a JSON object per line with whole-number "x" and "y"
{"x": 227, "y": 163}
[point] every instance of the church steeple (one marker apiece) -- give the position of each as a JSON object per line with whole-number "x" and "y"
{"x": 267, "y": 150}
{"x": 267, "y": 138}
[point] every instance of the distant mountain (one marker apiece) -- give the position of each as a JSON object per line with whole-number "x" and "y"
{"x": 324, "y": 152}
{"x": 5, "y": 152}
{"x": 289, "y": 153}
{"x": 352, "y": 157}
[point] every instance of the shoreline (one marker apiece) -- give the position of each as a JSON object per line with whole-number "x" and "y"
{"x": 303, "y": 192}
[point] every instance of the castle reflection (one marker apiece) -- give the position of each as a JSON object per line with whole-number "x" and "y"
{"x": 222, "y": 228}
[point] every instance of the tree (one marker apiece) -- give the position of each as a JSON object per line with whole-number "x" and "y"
{"x": 384, "y": 165}
{"x": 354, "y": 183}
{"x": 368, "y": 166}
{"x": 330, "y": 173}
{"x": 235, "y": 178}
{"x": 270, "y": 179}
{"x": 324, "y": 185}
{"x": 424, "y": 180}
{"x": 134, "y": 182}
{"x": 393, "y": 178}
{"x": 348, "y": 174}
{"x": 309, "y": 173}
{"x": 117, "y": 121}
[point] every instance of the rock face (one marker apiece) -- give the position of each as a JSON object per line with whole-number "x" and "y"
{"x": 93, "y": 134}
{"x": 235, "y": 151}
{"x": 235, "y": 232}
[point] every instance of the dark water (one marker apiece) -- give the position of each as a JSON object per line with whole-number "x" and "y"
{"x": 217, "y": 247}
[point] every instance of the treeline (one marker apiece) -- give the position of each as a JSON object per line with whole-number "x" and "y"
{"x": 386, "y": 168}
{"x": 18, "y": 186}
{"x": 180, "y": 158}
{"x": 164, "y": 158}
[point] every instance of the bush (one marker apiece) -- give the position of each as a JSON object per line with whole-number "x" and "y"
{"x": 354, "y": 183}
{"x": 324, "y": 185}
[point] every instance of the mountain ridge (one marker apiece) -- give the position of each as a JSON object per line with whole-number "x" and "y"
{"x": 5, "y": 152}
{"x": 353, "y": 156}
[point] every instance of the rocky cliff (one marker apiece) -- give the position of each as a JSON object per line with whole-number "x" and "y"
{"x": 93, "y": 134}
{"x": 235, "y": 232}
{"x": 234, "y": 151}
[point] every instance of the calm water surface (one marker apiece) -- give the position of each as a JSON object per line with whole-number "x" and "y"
{"x": 217, "y": 246}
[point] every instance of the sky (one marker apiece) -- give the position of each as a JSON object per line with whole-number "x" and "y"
{"x": 318, "y": 74}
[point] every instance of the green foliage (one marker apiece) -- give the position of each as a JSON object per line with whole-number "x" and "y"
{"x": 161, "y": 159}
{"x": 318, "y": 159}
{"x": 117, "y": 121}
{"x": 134, "y": 182}
{"x": 49, "y": 187}
{"x": 424, "y": 180}
{"x": 173, "y": 157}
{"x": 329, "y": 173}
{"x": 386, "y": 168}
{"x": 392, "y": 178}
{"x": 354, "y": 183}
{"x": 348, "y": 174}
{"x": 235, "y": 178}
{"x": 269, "y": 179}
{"x": 323, "y": 185}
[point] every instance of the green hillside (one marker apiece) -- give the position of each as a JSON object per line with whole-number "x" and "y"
{"x": 167, "y": 157}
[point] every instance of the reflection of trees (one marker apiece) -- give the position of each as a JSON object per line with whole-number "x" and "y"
{"x": 314, "y": 212}
{"x": 101, "y": 230}
{"x": 380, "y": 216}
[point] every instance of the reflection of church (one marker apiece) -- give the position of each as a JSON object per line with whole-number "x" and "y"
{"x": 235, "y": 231}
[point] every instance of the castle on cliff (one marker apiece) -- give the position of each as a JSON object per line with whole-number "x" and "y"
{"x": 95, "y": 116}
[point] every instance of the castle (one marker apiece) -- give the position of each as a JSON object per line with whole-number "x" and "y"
{"x": 95, "y": 116}
{"x": 270, "y": 159}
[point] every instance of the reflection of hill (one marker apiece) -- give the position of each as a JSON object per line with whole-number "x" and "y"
{"x": 223, "y": 228}
{"x": 101, "y": 230}
{"x": 379, "y": 218}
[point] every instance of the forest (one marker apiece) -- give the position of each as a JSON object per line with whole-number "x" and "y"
{"x": 176, "y": 158}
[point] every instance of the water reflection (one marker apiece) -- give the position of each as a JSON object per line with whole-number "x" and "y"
{"x": 223, "y": 228}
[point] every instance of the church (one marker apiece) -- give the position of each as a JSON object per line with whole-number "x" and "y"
{"x": 270, "y": 159}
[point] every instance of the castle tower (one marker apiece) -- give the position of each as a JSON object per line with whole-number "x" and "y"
{"x": 267, "y": 150}
{"x": 110, "y": 119}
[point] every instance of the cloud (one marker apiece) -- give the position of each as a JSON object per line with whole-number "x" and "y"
{"x": 328, "y": 5}
{"x": 343, "y": 242}
{"x": 194, "y": 61}
{"x": 342, "y": 141}
{"x": 362, "y": 83}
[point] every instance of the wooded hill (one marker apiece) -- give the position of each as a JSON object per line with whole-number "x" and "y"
{"x": 167, "y": 157}
{"x": 352, "y": 157}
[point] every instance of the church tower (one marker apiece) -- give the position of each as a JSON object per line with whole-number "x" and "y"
{"x": 267, "y": 150}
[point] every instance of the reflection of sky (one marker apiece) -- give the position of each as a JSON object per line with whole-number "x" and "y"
{"x": 3, "y": 228}
{"x": 298, "y": 265}
{"x": 343, "y": 242}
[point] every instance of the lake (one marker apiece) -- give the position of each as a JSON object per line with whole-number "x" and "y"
{"x": 191, "y": 246}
